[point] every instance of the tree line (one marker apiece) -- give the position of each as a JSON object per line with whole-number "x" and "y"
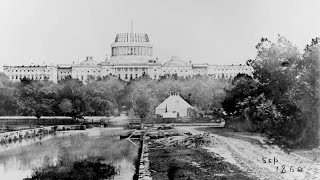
{"x": 105, "y": 96}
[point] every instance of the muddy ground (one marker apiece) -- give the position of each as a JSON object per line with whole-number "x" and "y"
{"x": 176, "y": 157}
{"x": 184, "y": 163}
{"x": 251, "y": 153}
{"x": 213, "y": 153}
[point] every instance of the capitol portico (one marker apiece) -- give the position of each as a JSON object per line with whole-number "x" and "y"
{"x": 131, "y": 57}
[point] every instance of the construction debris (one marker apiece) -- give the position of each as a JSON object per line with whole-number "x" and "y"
{"x": 189, "y": 141}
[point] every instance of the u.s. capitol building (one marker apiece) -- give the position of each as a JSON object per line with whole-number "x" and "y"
{"x": 131, "y": 57}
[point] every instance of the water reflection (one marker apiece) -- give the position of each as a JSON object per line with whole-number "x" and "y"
{"x": 18, "y": 159}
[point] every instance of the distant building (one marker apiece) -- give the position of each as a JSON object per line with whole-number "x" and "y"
{"x": 174, "y": 106}
{"x": 32, "y": 71}
{"x": 178, "y": 67}
{"x": 131, "y": 58}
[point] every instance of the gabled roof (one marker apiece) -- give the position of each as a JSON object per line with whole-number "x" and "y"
{"x": 173, "y": 100}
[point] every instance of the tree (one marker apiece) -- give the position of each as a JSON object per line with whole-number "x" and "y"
{"x": 66, "y": 106}
{"x": 284, "y": 103}
{"x": 242, "y": 87}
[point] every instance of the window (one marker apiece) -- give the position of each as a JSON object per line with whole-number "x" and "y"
{"x": 136, "y": 75}
{"x": 126, "y": 76}
{"x": 155, "y": 76}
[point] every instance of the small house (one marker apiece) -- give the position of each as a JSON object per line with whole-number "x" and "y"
{"x": 173, "y": 107}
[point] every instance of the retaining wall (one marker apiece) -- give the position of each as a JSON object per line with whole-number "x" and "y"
{"x": 144, "y": 169}
{"x": 27, "y": 133}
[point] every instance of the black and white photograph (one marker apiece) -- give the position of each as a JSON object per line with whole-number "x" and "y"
{"x": 159, "y": 90}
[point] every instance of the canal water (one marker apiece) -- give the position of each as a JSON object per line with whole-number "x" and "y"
{"x": 19, "y": 159}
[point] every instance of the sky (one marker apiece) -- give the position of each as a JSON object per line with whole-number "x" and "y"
{"x": 203, "y": 31}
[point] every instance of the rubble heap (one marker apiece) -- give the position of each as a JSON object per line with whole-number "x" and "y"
{"x": 189, "y": 141}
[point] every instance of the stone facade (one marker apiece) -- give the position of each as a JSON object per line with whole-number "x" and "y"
{"x": 34, "y": 72}
{"x": 131, "y": 58}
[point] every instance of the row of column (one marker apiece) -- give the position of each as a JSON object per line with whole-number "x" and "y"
{"x": 128, "y": 50}
{"x": 126, "y": 73}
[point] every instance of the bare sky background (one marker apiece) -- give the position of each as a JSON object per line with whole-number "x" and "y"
{"x": 217, "y": 32}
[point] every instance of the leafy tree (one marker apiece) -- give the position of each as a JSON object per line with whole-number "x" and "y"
{"x": 282, "y": 98}
{"x": 66, "y": 106}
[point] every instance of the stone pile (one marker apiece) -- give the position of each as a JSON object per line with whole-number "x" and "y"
{"x": 189, "y": 141}
{"x": 162, "y": 134}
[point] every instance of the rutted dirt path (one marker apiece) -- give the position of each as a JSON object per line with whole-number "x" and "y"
{"x": 252, "y": 155}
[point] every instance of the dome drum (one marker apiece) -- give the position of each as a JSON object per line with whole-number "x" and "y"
{"x": 132, "y": 51}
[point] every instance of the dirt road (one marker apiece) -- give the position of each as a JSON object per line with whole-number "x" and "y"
{"x": 250, "y": 153}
